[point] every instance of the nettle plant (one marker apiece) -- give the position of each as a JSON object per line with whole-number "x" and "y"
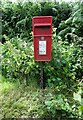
{"x": 17, "y": 58}
{"x": 64, "y": 70}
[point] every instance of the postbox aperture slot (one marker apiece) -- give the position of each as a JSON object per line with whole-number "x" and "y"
{"x": 38, "y": 25}
{"x": 42, "y": 26}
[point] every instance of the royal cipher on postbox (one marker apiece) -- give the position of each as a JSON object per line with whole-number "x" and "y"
{"x": 42, "y": 37}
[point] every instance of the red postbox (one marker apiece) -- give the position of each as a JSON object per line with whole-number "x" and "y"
{"x": 42, "y": 37}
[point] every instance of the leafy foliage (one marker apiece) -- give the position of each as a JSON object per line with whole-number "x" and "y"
{"x": 67, "y": 61}
{"x": 73, "y": 25}
{"x": 16, "y": 18}
{"x": 16, "y": 59}
{"x": 20, "y": 101}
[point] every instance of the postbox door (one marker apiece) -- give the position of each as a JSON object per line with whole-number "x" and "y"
{"x": 42, "y": 48}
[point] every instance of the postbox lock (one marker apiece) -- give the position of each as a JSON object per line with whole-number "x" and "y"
{"x": 42, "y": 38}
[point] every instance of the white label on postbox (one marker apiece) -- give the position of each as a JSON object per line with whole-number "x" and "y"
{"x": 42, "y": 47}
